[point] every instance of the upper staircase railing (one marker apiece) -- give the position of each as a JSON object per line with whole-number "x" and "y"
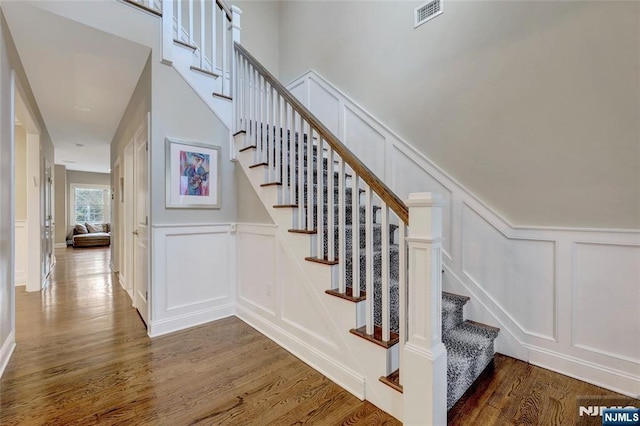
{"x": 206, "y": 27}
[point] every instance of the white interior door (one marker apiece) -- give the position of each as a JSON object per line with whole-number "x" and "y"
{"x": 141, "y": 224}
{"x": 126, "y": 271}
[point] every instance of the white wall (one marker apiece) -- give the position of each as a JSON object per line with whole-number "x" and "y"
{"x": 530, "y": 105}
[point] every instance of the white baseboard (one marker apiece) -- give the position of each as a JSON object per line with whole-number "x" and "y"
{"x": 20, "y": 278}
{"x": 6, "y": 351}
{"x": 343, "y": 376}
{"x": 161, "y": 327}
{"x": 606, "y": 377}
{"x": 60, "y": 245}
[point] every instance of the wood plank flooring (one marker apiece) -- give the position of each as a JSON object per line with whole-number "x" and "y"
{"x": 518, "y": 393}
{"x": 83, "y": 358}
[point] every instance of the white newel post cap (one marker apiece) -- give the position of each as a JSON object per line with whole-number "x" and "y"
{"x": 425, "y": 213}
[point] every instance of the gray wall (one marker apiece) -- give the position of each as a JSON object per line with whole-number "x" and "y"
{"x": 60, "y": 208}
{"x": 260, "y": 22}
{"x": 134, "y": 115}
{"x": 88, "y": 178}
{"x": 9, "y": 60}
{"x": 250, "y": 208}
{"x": 533, "y": 106}
{"x": 178, "y": 113}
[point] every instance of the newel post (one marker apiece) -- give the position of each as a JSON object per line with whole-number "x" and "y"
{"x": 236, "y": 12}
{"x": 424, "y": 355}
{"x": 167, "y": 32}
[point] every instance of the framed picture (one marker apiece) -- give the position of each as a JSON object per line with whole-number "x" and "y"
{"x": 193, "y": 175}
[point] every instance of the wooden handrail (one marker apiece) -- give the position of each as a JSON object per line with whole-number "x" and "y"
{"x": 385, "y": 194}
{"x": 225, "y": 7}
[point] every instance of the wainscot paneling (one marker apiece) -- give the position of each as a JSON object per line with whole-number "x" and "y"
{"x": 564, "y": 298}
{"x": 257, "y": 253}
{"x": 193, "y": 276}
{"x": 325, "y": 106}
{"x": 600, "y": 286}
{"x": 517, "y": 274}
{"x": 276, "y": 298}
{"x": 21, "y": 252}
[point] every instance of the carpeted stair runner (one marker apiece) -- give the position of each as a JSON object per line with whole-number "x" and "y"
{"x": 470, "y": 345}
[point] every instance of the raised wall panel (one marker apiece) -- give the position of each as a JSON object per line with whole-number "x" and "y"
{"x": 298, "y": 90}
{"x": 365, "y": 141}
{"x": 517, "y": 274}
{"x": 606, "y": 299}
{"x": 325, "y": 106}
{"x": 193, "y": 279}
{"x": 298, "y": 308}
{"x": 408, "y": 176}
{"x": 21, "y": 253}
{"x": 256, "y": 277}
{"x": 199, "y": 269}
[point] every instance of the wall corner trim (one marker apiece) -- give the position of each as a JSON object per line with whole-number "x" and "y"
{"x": 6, "y": 351}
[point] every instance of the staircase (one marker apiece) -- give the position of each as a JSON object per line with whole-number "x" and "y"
{"x": 339, "y": 216}
{"x": 326, "y": 200}
{"x": 469, "y": 346}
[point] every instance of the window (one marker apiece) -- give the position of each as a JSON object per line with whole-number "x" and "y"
{"x": 89, "y": 204}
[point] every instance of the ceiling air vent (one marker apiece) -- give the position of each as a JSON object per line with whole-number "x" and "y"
{"x": 427, "y": 11}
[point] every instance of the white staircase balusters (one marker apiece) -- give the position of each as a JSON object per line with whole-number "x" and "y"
{"x": 320, "y": 185}
{"x": 297, "y": 137}
{"x": 368, "y": 250}
{"x": 355, "y": 236}
{"x": 211, "y": 28}
{"x": 315, "y": 173}
{"x": 331, "y": 255}
{"x": 385, "y": 275}
{"x": 342, "y": 258}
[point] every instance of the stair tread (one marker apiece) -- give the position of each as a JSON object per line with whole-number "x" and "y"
{"x": 376, "y": 337}
{"x": 303, "y": 231}
{"x": 322, "y": 260}
{"x": 348, "y": 294}
{"x": 393, "y": 380}
{"x": 204, "y": 71}
{"x": 455, "y": 298}
{"x": 469, "y": 337}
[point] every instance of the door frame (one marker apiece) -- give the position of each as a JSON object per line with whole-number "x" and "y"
{"x": 142, "y": 303}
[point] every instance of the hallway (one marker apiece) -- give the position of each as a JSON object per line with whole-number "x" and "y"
{"x": 83, "y": 357}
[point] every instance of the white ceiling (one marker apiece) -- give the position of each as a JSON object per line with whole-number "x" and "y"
{"x": 70, "y": 66}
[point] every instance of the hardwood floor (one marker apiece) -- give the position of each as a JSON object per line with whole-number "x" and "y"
{"x": 514, "y": 392}
{"x": 83, "y": 358}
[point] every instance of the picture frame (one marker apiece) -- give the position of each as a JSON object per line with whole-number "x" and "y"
{"x": 192, "y": 175}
